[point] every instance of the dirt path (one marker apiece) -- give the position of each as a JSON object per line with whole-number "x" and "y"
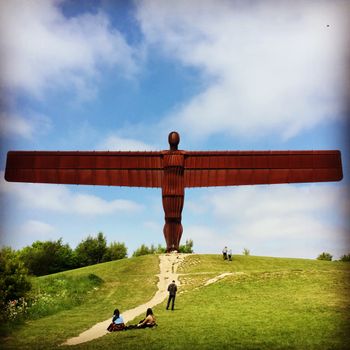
{"x": 217, "y": 278}
{"x": 168, "y": 265}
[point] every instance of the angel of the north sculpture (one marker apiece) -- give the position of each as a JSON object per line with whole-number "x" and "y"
{"x": 173, "y": 170}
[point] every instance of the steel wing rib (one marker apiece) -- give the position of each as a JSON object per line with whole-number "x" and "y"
{"x": 134, "y": 169}
{"x": 220, "y": 168}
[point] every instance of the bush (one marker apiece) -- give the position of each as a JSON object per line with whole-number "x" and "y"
{"x": 160, "y": 250}
{"x": 14, "y": 285}
{"x": 43, "y": 258}
{"x": 187, "y": 247}
{"x": 115, "y": 251}
{"x": 91, "y": 250}
{"x": 246, "y": 251}
{"x": 325, "y": 256}
{"x": 144, "y": 250}
{"x": 14, "y": 280}
{"x": 345, "y": 257}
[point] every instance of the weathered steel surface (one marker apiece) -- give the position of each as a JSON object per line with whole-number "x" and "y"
{"x": 230, "y": 168}
{"x": 173, "y": 170}
{"x": 134, "y": 169}
{"x": 173, "y": 193}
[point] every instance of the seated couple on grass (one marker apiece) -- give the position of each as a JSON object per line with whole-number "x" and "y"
{"x": 118, "y": 323}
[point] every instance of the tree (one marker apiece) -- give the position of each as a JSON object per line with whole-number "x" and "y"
{"x": 160, "y": 249}
{"x": 91, "y": 250}
{"x": 14, "y": 280}
{"x": 246, "y": 251}
{"x": 101, "y": 247}
{"x": 325, "y": 256}
{"x": 42, "y": 258}
{"x": 143, "y": 250}
{"x": 187, "y": 247}
{"x": 115, "y": 251}
{"x": 345, "y": 257}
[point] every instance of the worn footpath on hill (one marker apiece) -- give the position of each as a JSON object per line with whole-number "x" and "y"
{"x": 168, "y": 265}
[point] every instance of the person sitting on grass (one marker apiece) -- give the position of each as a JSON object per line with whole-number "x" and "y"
{"x": 117, "y": 322}
{"x": 149, "y": 321}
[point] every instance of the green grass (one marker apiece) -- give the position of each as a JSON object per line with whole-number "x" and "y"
{"x": 56, "y": 293}
{"x": 270, "y": 303}
{"x": 126, "y": 284}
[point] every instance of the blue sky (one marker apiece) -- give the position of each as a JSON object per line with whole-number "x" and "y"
{"x": 231, "y": 75}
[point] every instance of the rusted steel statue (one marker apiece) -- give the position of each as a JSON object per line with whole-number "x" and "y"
{"x": 173, "y": 170}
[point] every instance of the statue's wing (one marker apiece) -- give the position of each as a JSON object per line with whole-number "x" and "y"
{"x": 219, "y": 168}
{"x": 139, "y": 169}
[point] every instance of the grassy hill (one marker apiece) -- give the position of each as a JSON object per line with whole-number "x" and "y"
{"x": 267, "y": 303}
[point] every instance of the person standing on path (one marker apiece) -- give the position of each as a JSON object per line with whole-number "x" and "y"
{"x": 224, "y": 253}
{"x": 172, "y": 289}
{"x": 229, "y": 254}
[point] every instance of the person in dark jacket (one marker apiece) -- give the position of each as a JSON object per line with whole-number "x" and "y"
{"x": 224, "y": 253}
{"x": 172, "y": 289}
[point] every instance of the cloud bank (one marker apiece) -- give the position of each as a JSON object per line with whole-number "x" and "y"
{"x": 15, "y": 125}
{"x": 266, "y": 66}
{"x": 279, "y": 220}
{"x": 41, "y": 49}
{"x": 117, "y": 143}
{"x": 60, "y": 199}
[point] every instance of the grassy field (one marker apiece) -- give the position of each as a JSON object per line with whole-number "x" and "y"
{"x": 267, "y": 303}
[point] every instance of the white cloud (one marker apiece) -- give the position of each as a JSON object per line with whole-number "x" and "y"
{"x": 277, "y": 200}
{"x": 61, "y": 199}
{"x": 268, "y": 67}
{"x": 117, "y": 143}
{"x": 206, "y": 240}
{"x": 37, "y": 229}
{"x": 281, "y": 220}
{"x": 28, "y": 128}
{"x": 153, "y": 226}
{"x": 41, "y": 48}
{"x": 24, "y": 233}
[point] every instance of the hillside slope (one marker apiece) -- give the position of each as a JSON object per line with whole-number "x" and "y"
{"x": 262, "y": 303}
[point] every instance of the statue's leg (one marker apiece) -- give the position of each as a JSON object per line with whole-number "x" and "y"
{"x": 173, "y": 228}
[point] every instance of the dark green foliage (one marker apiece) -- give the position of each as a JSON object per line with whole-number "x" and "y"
{"x": 246, "y": 251}
{"x": 14, "y": 285}
{"x": 160, "y": 249}
{"x": 187, "y": 247}
{"x": 116, "y": 251}
{"x": 91, "y": 250}
{"x": 325, "y": 256}
{"x": 42, "y": 258}
{"x": 145, "y": 250}
{"x": 95, "y": 280}
{"x": 14, "y": 282}
{"x": 345, "y": 257}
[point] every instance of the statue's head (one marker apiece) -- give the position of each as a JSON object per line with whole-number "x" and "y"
{"x": 174, "y": 139}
